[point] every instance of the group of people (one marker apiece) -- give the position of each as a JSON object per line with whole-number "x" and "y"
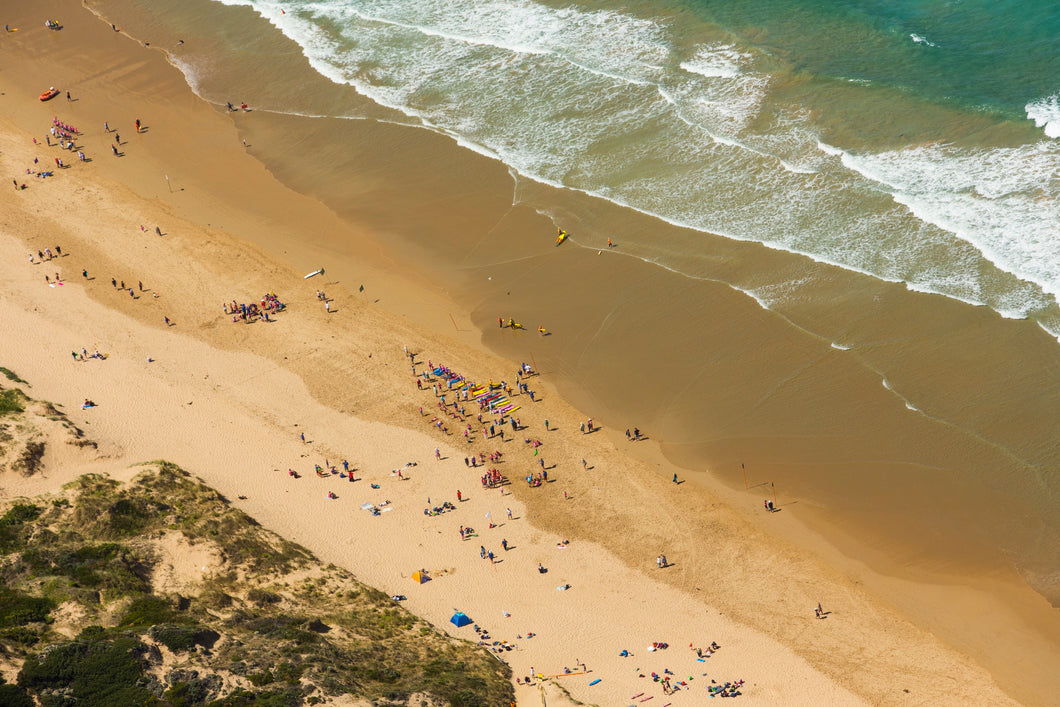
{"x": 46, "y": 254}
{"x": 493, "y": 479}
{"x": 249, "y": 312}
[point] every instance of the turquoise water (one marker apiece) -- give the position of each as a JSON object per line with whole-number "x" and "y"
{"x": 917, "y": 142}
{"x": 987, "y": 55}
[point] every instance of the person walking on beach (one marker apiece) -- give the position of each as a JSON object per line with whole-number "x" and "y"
{"x": 438, "y": 454}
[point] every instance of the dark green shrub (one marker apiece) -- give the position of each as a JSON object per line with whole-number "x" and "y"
{"x": 20, "y": 513}
{"x": 128, "y": 517}
{"x": 18, "y": 609}
{"x": 148, "y": 611}
{"x": 12, "y": 400}
{"x": 108, "y": 566}
{"x": 13, "y": 528}
{"x": 91, "y": 673}
{"x": 15, "y": 696}
{"x": 263, "y": 678}
{"x": 184, "y": 638}
{"x": 20, "y": 635}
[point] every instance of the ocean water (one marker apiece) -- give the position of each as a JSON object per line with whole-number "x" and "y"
{"x": 915, "y": 141}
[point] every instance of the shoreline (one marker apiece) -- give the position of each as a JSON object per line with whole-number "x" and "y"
{"x": 359, "y": 402}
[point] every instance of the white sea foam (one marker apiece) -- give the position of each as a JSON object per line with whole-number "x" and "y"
{"x": 610, "y": 104}
{"x": 1046, "y": 114}
{"x": 1001, "y": 201}
{"x": 717, "y": 61}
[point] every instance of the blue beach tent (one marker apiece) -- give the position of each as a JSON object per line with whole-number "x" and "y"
{"x": 460, "y": 619}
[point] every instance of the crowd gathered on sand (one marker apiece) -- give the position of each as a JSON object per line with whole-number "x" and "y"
{"x": 486, "y": 415}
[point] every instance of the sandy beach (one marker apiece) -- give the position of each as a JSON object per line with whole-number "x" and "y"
{"x": 186, "y": 380}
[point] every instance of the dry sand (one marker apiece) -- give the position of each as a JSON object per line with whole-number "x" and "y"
{"x": 229, "y": 401}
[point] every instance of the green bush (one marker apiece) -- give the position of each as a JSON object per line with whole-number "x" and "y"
{"x": 13, "y": 529}
{"x": 265, "y": 677}
{"x": 128, "y": 517}
{"x": 108, "y": 566}
{"x": 12, "y": 400}
{"x": 18, "y": 609}
{"x": 11, "y": 375}
{"x": 20, "y": 635}
{"x": 184, "y": 638}
{"x": 15, "y": 696}
{"x": 148, "y": 611}
{"x": 20, "y": 513}
{"x": 90, "y": 673}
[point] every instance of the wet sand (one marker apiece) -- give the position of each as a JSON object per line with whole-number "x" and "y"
{"x": 714, "y": 380}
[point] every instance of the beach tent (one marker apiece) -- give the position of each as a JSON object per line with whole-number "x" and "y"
{"x": 460, "y": 619}
{"x": 419, "y": 576}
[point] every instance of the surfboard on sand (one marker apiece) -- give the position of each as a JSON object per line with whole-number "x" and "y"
{"x": 315, "y": 272}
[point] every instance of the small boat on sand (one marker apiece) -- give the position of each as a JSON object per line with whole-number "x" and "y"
{"x": 49, "y": 94}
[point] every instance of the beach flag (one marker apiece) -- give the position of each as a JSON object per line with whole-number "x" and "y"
{"x": 487, "y": 515}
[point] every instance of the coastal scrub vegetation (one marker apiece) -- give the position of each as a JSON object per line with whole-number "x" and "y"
{"x": 97, "y": 608}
